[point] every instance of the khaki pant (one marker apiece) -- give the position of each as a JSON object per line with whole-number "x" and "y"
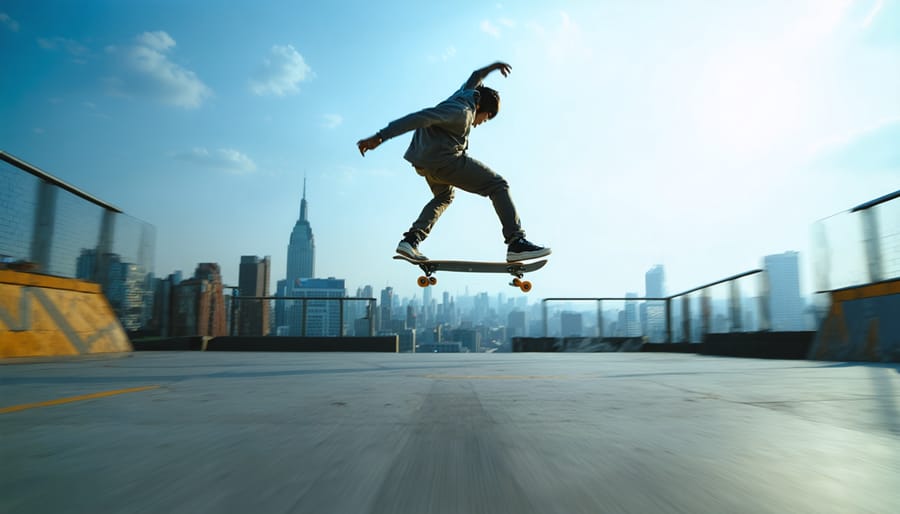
{"x": 474, "y": 177}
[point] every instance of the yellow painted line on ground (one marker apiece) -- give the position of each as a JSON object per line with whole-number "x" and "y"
{"x": 71, "y": 399}
{"x": 495, "y": 377}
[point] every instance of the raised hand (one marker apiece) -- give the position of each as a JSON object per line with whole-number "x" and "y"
{"x": 369, "y": 143}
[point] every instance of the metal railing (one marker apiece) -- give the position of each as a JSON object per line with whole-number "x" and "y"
{"x": 250, "y": 315}
{"x": 859, "y": 246}
{"x": 680, "y": 323}
{"x": 51, "y": 227}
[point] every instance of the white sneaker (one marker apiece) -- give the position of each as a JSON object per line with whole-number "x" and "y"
{"x": 407, "y": 249}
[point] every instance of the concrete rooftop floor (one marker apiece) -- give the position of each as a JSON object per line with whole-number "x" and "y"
{"x": 467, "y": 433}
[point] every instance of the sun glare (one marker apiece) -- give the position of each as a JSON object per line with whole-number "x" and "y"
{"x": 749, "y": 101}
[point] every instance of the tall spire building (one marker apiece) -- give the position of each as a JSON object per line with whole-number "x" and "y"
{"x": 301, "y": 249}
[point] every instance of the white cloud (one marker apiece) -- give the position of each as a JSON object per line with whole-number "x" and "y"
{"x": 222, "y": 159}
{"x": 70, "y": 46}
{"x": 332, "y": 121}
{"x": 159, "y": 40}
{"x": 496, "y": 29}
{"x": 281, "y": 72}
{"x": 565, "y": 41}
{"x": 490, "y": 29}
{"x": 448, "y": 54}
{"x": 808, "y": 32}
{"x": 147, "y": 71}
{"x": 10, "y": 23}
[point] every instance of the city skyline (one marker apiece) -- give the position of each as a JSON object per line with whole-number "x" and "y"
{"x": 198, "y": 306}
{"x": 701, "y": 137}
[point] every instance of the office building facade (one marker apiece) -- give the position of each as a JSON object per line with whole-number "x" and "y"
{"x": 785, "y": 302}
{"x": 253, "y": 281}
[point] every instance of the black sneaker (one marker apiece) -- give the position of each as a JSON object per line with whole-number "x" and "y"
{"x": 521, "y": 249}
{"x": 408, "y": 249}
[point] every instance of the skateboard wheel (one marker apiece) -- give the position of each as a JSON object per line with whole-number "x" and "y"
{"x": 432, "y": 281}
{"x": 516, "y": 282}
{"x": 423, "y": 281}
{"x": 525, "y": 286}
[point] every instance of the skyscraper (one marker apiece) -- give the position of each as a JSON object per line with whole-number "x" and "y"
{"x": 655, "y": 311}
{"x": 198, "y": 304}
{"x": 655, "y": 280}
{"x": 253, "y": 280}
{"x": 281, "y": 320}
{"x": 785, "y": 302}
{"x": 387, "y": 305}
{"x": 632, "y": 326}
{"x": 571, "y": 323}
{"x": 301, "y": 249}
{"x": 322, "y": 317}
{"x": 515, "y": 324}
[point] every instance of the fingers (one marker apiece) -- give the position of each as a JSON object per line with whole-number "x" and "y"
{"x": 368, "y": 144}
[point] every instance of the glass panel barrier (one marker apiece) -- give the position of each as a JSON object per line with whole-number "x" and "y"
{"x": 720, "y": 316}
{"x": 858, "y": 247}
{"x": 839, "y": 253}
{"x": 695, "y": 320}
{"x": 748, "y": 303}
{"x": 76, "y": 228}
{"x": 61, "y": 231}
{"x": 676, "y": 307}
{"x": 18, "y": 198}
{"x": 888, "y": 219}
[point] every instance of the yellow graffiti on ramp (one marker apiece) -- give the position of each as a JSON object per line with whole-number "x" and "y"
{"x": 47, "y": 316}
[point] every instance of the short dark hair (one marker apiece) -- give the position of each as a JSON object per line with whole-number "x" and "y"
{"x": 488, "y": 100}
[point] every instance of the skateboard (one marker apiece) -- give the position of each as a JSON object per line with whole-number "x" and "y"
{"x": 516, "y": 269}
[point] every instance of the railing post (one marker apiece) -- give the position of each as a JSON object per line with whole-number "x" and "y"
{"x": 42, "y": 232}
{"x": 669, "y": 320}
{"x": 341, "y": 317}
{"x": 100, "y": 273}
{"x": 686, "y": 318}
{"x": 869, "y": 220}
{"x": 544, "y": 312}
{"x": 234, "y": 313}
{"x": 705, "y": 313}
{"x": 735, "y": 303}
{"x": 303, "y": 320}
{"x": 372, "y": 318}
{"x": 600, "y": 320}
{"x": 765, "y": 303}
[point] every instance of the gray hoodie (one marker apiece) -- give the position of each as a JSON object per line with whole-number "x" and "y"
{"x": 441, "y": 132}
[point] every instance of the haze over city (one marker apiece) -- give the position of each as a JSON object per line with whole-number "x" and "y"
{"x": 701, "y": 137}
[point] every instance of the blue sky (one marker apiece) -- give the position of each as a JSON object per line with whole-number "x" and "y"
{"x": 699, "y": 135}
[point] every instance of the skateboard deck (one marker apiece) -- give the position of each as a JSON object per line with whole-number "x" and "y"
{"x": 516, "y": 269}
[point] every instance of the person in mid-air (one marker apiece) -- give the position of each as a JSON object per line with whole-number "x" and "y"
{"x": 438, "y": 153}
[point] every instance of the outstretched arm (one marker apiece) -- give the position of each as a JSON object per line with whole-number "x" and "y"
{"x": 479, "y": 75}
{"x": 444, "y": 113}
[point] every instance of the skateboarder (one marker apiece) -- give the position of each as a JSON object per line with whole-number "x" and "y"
{"x": 438, "y": 153}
